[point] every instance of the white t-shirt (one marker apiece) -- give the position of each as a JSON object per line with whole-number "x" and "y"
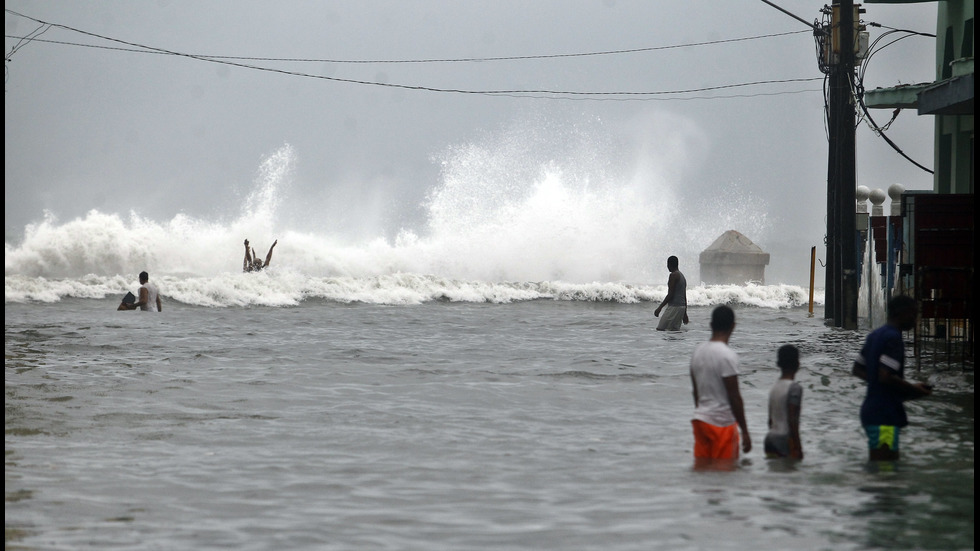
{"x": 712, "y": 361}
{"x": 783, "y": 393}
{"x": 151, "y": 296}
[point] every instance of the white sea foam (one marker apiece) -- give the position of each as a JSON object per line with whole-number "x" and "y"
{"x": 515, "y": 217}
{"x": 871, "y": 294}
{"x": 287, "y": 288}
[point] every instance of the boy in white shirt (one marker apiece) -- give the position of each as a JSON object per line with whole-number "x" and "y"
{"x": 785, "y": 398}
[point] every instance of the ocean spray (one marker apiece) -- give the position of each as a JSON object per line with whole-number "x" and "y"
{"x": 536, "y": 202}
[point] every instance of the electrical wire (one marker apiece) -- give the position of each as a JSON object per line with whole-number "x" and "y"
{"x": 920, "y": 33}
{"x": 532, "y": 93}
{"x": 879, "y": 132}
{"x": 691, "y": 98}
{"x": 873, "y": 49}
{"x": 857, "y": 91}
{"x": 23, "y": 41}
{"x": 417, "y": 61}
{"x": 857, "y": 87}
{"x": 816, "y": 29}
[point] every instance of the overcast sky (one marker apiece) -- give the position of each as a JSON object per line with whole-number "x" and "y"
{"x": 99, "y": 128}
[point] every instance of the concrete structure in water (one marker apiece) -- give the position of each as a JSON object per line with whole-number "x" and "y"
{"x": 733, "y": 258}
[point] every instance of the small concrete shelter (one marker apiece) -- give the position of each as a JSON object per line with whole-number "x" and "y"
{"x": 733, "y": 259}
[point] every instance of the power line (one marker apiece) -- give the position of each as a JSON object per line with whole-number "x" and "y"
{"x": 857, "y": 90}
{"x": 813, "y": 26}
{"x": 873, "y": 24}
{"x": 690, "y": 98}
{"x": 534, "y": 93}
{"x": 24, "y": 40}
{"x": 418, "y": 61}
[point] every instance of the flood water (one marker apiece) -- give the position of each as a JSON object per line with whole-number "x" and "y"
{"x": 538, "y": 424}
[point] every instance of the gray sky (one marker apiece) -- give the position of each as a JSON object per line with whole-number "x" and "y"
{"x": 90, "y": 128}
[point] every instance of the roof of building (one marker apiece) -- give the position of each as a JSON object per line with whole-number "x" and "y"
{"x": 733, "y": 245}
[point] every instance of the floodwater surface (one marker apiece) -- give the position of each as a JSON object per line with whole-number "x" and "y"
{"x": 540, "y": 424}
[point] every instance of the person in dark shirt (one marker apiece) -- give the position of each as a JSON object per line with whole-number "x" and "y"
{"x": 881, "y": 364}
{"x": 675, "y": 301}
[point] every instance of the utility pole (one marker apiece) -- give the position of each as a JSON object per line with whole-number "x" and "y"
{"x": 837, "y": 60}
{"x": 841, "y": 276}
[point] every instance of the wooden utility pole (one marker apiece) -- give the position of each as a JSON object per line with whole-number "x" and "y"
{"x": 841, "y": 276}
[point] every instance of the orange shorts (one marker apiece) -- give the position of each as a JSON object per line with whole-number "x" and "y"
{"x": 714, "y": 442}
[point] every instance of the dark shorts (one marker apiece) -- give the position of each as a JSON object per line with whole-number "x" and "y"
{"x": 776, "y": 445}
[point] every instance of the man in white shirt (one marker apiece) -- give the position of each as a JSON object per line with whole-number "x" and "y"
{"x": 785, "y": 399}
{"x": 717, "y": 400}
{"x": 149, "y": 297}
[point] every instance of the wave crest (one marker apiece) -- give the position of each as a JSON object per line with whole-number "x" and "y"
{"x": 289, "y": 288}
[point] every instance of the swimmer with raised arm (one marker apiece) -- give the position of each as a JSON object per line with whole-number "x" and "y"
{"x": 252, "y": 262}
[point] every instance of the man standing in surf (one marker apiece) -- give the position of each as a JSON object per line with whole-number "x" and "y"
{"x": 149, "y": 297}
{"x": 675, "y": 301}
{"x": 717, "y": 401}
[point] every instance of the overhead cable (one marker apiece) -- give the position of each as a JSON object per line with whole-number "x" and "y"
{"x": 813, "y": 26}
{"x": 395, "y": 61}
{"x": 857, "y": 91}
{"x": 533, "y": 93}
{"x": 422, "y": 61}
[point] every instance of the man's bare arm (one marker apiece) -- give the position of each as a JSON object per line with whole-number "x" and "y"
{"x": 738, "y": 410}
{"x": 671, "y": 290}
{"x": 694, "y": 386}
{"x": 143, "y": 300}
{"x": 795, "y": 445}
{"x": 268, "y": 257}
